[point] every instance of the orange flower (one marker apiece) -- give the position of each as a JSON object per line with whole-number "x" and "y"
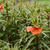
{"x": 1, "y": 6}
{"x": 29, "y": 29}
{"x": 36, "y": 30}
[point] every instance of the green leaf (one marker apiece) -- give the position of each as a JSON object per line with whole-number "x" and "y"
{"x": 28, "y": 43}
{"x": 45, "y": 45}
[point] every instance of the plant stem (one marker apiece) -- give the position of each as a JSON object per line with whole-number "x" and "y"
{"x": 37, "y": 48}
{"x": 42, "y": 47}
{"x": 8, "y": 21}
{"x": 48, "y": 22}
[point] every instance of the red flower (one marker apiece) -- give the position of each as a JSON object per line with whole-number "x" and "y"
{"x": 1, "y": 6}
{"x": 34, "y": 30}
{"x": 29, "y": 29}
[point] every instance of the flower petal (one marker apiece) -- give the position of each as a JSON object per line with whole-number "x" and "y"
{"x": 29, "y": 29}
{"x": 36, "y": 30}
{"x": 1, "y": 6}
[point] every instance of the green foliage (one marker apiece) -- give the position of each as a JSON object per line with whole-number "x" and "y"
{"x": 14, "y": 19}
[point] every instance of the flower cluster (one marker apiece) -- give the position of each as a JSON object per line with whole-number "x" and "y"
{"x": 34, "y": 30}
